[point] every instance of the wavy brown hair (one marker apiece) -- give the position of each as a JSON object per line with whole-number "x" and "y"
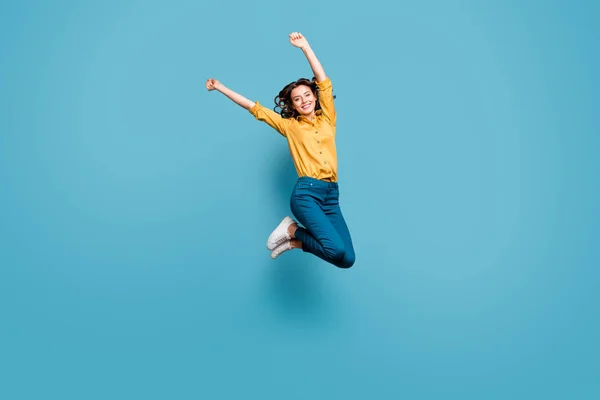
{"x": 283, "y": 100}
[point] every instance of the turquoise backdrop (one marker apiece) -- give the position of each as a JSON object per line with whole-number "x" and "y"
{"x": 135, "y": 205}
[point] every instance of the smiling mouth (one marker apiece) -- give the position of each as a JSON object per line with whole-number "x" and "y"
{"x": 306, "y": 107}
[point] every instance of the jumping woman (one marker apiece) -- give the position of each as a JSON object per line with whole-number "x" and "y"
{"x": 307, "y": 119}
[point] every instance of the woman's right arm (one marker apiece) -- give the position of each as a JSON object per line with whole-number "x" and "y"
{"x": 213, "y": 84}
{"x": 259, "y": 112}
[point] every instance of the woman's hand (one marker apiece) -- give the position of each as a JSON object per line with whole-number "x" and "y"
{"x": 212, "y": 84}
{"x": 298, "y": 40}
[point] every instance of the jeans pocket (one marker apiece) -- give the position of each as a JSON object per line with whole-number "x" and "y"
{"x": 305, "y": 185}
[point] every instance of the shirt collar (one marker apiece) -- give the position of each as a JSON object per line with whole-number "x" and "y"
{"x": 303, "y": 118}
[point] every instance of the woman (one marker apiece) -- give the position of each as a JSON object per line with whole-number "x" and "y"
{"x": 307, "y": 119}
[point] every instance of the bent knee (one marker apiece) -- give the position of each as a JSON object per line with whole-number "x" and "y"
{"x": 340, "y": 256}
{"x": 335, "y": 253}
{"x": 343, "y": 258}
{"x": 348, "y": 260}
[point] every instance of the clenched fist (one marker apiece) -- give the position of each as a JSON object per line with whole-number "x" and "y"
{"x": 212, "y": 84}
{"x": 298, "y": 40}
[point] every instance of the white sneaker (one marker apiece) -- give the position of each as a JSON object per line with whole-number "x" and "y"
{"x": 280, "y": 234}
{"x": 282, "y": 248}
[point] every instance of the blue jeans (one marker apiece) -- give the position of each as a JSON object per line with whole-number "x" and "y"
{"x": 315, "y": 205}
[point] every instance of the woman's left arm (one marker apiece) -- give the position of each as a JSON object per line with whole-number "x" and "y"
{"x": 298, "y": 40}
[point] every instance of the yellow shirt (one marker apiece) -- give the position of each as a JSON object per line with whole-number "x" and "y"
{"x": 311, "y": 143}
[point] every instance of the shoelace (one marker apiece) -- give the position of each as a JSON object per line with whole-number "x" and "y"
{"x": 282, "y": 239}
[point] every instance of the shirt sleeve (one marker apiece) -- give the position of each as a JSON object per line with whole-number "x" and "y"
{"x": 326, "y": 100}
{"x": 273, "y": 119}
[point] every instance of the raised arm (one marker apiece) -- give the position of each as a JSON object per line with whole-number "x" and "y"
{"x": 213, "y": 84}
{"x": 300, "y": 41}
{"x": 259, "y": 112}
{"x": 323, "y": 82}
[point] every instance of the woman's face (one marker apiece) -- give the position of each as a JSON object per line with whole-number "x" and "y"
{"x": 303, "y": 100}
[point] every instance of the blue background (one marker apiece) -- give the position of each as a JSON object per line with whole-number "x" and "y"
{"x": 135, "y": 205}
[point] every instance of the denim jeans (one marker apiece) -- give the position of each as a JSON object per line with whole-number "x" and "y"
{"x": 315, "y": 205}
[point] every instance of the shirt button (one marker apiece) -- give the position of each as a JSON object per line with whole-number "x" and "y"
{"x": 318, "y": 141}
{"x": 320, "y": 152}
